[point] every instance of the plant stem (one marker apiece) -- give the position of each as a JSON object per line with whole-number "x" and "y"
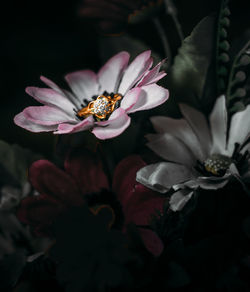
{"x": 163, "y": 38}
{"x": 172, "y": 11}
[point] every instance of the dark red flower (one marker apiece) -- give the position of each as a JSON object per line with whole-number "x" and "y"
{"x": 112, "y": 16}
{"x": 82, "y": 176}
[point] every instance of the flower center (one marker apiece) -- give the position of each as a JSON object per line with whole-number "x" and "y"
{"x": 217, "y": 164}
{"x": 101, "y": 108}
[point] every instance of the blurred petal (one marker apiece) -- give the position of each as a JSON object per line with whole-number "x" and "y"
{"x": 83, "y": 83}
{"x": 116, "y": 124}
{"x": 21, "y": 121}
{"x": 163, "y": 175}
{"x": 179, "y": 128}
{"x": 218, "y": 124}
{"x": 110, "y": 74}
{"x": 179, "y": 199}
{"x": 124, "y": 177}
{"x": 172, "y": 149}
{"x": 152, "y": 241}
{"x": 134, "y": 72}
{"x": 87, "y": 171}
{"x": 151, "y": 96}
{"x": 239, "y": 128}
{"x": 198, "y": 123}
{"x": 46, "y": 178}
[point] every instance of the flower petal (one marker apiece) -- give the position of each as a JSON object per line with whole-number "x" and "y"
{"x": 47, "y": 179}
{"x": 179, "y": 199}
{"x": 218, "y": 124}
{"x": 116, "y": 124}
{"x": 46, "y": 115}
{"x": 124, "y": 180}
{"x": 198, "y": 123}
{"x": 152, "y": 241}
{"x": 39, "y": 212}
{"x": 87, "y": 171}
{"x": 239, "y": 128}
{"x": 51, "y": 84}
{"x": 130, "y": 99}
{"x": 139, "y": 209}
{"x": 163, "y": 175}
{"x": 180, "y": 129}
{"x": 51, "y": 97}
{"x": 21, "y": 121}
{"x": 65, "y": 128}
{"x": 172, "y": 149}
{"x": 135, "y": 71}
{"x": 83, "y": 83}
{"x": 153, "y": 75}
{"x": 151, "y": 96}
{"x": 110, "y": 74}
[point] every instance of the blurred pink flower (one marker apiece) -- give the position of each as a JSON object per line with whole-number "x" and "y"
{"x": 134, "y": 84}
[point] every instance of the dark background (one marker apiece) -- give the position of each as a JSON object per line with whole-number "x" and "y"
{"x": 49, "y": 38}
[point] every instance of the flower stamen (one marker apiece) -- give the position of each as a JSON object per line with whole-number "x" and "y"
{"x": 217, "y": 164}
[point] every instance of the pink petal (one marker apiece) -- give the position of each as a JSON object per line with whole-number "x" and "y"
{"x": 152, "y": 241}
{"x": 46, "y": 115}
{"x": 83, "y": 84}
{"x": 124, "y": 180}
{"x": 39, "y": 212}
{"x": 51, "y": 97}
{"x": 87, "y": 171}
{"x": 135, "y": 71}
{"x": 151, "y": 96}
{"x": 142, "y": 206}
{"x": 110, "y": 74}
{"x": 47, "y": 179}
{"x": 153, "y": 75}
{"x": 114, "y": 126}
{"x": 21, "y": 121}
{"x": 86, "y": 124}
{"x": 51, "y": 84}
{"x": 130, "y": 99}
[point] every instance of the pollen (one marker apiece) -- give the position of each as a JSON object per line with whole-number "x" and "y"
{"x": 217, "y": 164}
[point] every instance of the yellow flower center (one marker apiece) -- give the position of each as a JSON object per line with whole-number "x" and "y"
{"x": 217, "y": 164}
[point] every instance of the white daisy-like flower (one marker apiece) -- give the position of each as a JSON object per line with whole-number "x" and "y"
{"x": 98, "y": 102}
{"x": 198, "y": 153}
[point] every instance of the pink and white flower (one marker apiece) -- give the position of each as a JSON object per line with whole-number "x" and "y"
{"x": 134, "y": 82}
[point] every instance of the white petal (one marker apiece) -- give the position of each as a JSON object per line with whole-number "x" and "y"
{"x": 117, "y": 123}
{"x": 198, "y": 123}
{"x": 21, "y": 121}
{"x": 163, "y": 175}
{"x": 110, "y": 74}
{"x": 172, "y": 149}
{"x": 179, "y": 199}
{"x": 135, "y": 71}
{"x": 151, "y": 96}
{"x": 218, "y": 124}
{"x": 239, "y": 128}
{"x": 180, "y": 129}
{"x": 51, "y": 97}
{"x": 83, "y": 83}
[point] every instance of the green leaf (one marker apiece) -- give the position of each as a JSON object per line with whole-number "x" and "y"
{"x": 188, "y": 75}
{"x": 16, "y": 160}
